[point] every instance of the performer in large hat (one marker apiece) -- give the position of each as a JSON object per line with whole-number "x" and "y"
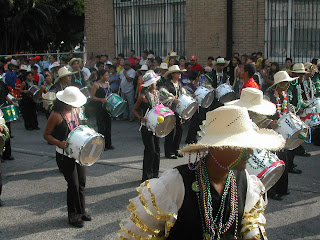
{"x": 214, "y": 198}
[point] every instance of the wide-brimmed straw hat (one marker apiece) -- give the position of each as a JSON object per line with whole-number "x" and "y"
{"x": 144, "y": 68}
{"x": 163, "y": 66}
{"x": 173, "y": 69}
{"x": 54, "y": 65}
{"x": 231, "y": 126}
{"x": 149, "y": 78}
{"x": 281, "y": 76}
{"x": 72, "y": 96}
{"x": 73, "y": 60}
{"x": 252, "y": 99}
{"x": 221, "y": 61}
{"x": 63, "y": 72}
{"x": 299, "y": 68}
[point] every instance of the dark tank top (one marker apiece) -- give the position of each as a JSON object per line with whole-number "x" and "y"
{"x": 100, "y": 93}
{"x": 189, "y": 225}
{"x": 61, "y": 131}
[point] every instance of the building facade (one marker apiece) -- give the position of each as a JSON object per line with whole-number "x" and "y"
{"x": 278, "y": 28}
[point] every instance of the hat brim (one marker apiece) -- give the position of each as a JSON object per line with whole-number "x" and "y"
{"x": 64, "y": 75}
{"x": 265, "y": 108}
{"x": 300, "y": 71}
{"x": 284, "y": 80}
{"x": 225, "y": 64}
{"x": 173, "y": 71}
{"x": 75, "y": 59}
{"x": 80, "y": 101}
{"x": 260, "y": 139}
{"x": 147, "y": 84}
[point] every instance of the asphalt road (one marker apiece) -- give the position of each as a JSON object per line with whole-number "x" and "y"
{"x": 34, "y": 191}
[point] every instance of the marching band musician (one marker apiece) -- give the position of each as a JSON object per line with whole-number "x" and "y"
{"x": 62, "y": 81}
{"x": 148, "y": 99}
{"x": 63, "y": 119}
{"x": 169, "y": 96}
{"x": 99, "y": 93}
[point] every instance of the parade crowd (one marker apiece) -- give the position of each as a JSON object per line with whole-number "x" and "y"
{"x": 232, "y": 106}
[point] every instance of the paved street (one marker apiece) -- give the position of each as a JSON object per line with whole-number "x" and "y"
{"x": 34, "y": 190}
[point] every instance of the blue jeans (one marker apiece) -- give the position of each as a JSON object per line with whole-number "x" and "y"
{"x": 129, "y": 97}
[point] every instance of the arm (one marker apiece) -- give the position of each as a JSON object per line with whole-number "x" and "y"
{"x": 94, "y": 89}
{"x": 141, "y": 98}
{"x": 53, "y": 120}
{"x": 129, "y": 79}
{"x": 42, "y": 88}
{"x": 22, "y": 89}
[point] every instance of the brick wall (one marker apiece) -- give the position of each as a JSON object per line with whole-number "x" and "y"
{"x": 248, "y": 26}
{"x": 206, "y": 28}
{"x": 99, "y": 26}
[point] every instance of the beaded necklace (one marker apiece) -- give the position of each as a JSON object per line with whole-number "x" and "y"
{"x": 281, "y": 108}
{"x": 69, "y": 122}
{"x": 153, "y": 99}
{"x": 106, "y": 90}
{"x": 212, "y": 226}
{"x": 308, "y": 89}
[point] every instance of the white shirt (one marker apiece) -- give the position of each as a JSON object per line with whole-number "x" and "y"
{"x": 125, "y": 85}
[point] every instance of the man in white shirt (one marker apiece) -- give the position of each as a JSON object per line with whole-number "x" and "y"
{"x": 105, "y": 59}
{"x": 144, "y": 58}
{"x": 127, "y": 89}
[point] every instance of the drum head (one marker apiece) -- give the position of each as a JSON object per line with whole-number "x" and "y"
{"x": 189, "y": 111}
{"x": 228, "y": 97}
{"x": 91, "y": 150}
{"x": 272, "y": 175}
{"x": 164, "y": 128}
{"x": 206, "y": 102}
{"x": 294, "y": 141}
{"x": 118, "y": 109}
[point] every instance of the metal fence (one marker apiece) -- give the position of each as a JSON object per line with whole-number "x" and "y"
{"x": 292, "y": 30}
{"x": 157, "y": 25}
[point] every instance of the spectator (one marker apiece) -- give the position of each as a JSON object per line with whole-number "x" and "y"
{"x": 121, "y": 56}
{"x": 115, "y": 62}
{"x": 259, "y": 60}
{"x": 37, "y": 77}
{"x": 210, "y": 62}
{"x": 32, "y": 62}
{"x": 105, "y": 59}
{"x": 45, "y": 63}
{"x": 127, "y": 90}
{"x": 144, "y": 58}
{"x": 11, "y": 76}
{"x": 143, "y": 71}
{"x": 270, "y": 79}
{"x": 264, "y": 72}
{"x": 288, "y": 66}
{"x": 137, "y": 65}
{"x": 247, "y": 75}
{"x": 120, "y": 68}
{"x": 100, "y": 66}
{"x": 114, "y": 79}
{"x": 182, "y": 63}
{"x": 77, "y": 79}
{"x": 131, "y": 58}
{"x": 195, "y": 65}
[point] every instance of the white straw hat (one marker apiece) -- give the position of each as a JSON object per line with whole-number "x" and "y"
{"x": 173, "y": 69}
{"x": 149, "y": 78}
{"x": 231, "y": 126}
{"x": 24, "y": 68}
{"x": 173, "y": 54}
{"x": 281, "y": 76}
{"x": 163, "y": 66}
{"x": 299, "y": 68}
{"x": 54, "y": 65}
{"x": 221, "y": 61}
{"x": 144, "y": 68}
{"x": 252, "y": 99}
{"x": 64, "y": 71}
{"x": 73, "y": 60}
{"x": 72, "y": 96}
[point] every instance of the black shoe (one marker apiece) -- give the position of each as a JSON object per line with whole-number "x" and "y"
{"x": 78, "y": 223}
{"x": 86, "y": 217}
{"x": 179, "y": 155}
{"x": 277, "y": 197}
{"x": 172, "y": 156}
{"x": 8, "y": 158}
{"x": 294, "y": 170}
{"x": 109, "y": 148}
{"x": 1, "y": 203}
{"x": 36, "y": 128}
{"x": 287, "y": 193}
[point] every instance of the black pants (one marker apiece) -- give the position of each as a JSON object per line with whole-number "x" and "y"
{"x": 75, "y": 175}
{"x": 281, "y": 187}
{"x": 173, "y": 139}
{"x": 104, "y": 125}
{"x": 7, "y": 152}
{"x": 151, "y": 156}
{"x": 0, "y": 179}
{"x": 29, "y": 113}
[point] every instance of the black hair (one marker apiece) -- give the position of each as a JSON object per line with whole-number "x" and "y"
{"x": 259, "y": 53}
{"x": 151, "y": 52}
{"x": 34, "y": 67}
{"x": 121, "y": 55}
{"x": 238, "y": 60}
{"x": 182, "y": 57}
{"x": 46, "y": 75}
{"x": 245, "y": 56}
{"x": 254, "y": 53}
{"x": 28, "y": 73}
{"x": 59, "y": 106}
{"x": 314, "y": 61}
{"x": 194, "y": 74}
{"x": 263, "y": 63}
{"x": 132, "y": 51}
{"x": 146, "y": 52}
{"x": 250, "y": 69}
{"x": 172, "y": 58}
{"x": 252, "y": 58}
{"x": 289, "y": 59}
{"x": 93, "y": 69}
{"x": 210, "y": 58}
{"x": 158, "y": 59}
{"x": 116, "y": 58}
{"x": 277, "y": 66}
{"x": 114, "y": 67}
{"x": 101, "y": 73}
{"x": 98, "y": 56}
{"x": 99, "y": 63}
{"x": 236, "y": 53}
{"x": 105, "y": 55}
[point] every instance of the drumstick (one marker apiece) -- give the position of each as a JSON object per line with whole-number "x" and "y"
{"x": 141, "y": 123}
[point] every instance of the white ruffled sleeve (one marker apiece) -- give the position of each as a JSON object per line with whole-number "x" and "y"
{"x": 253, "y": 220}
{"x": 155, "y": 210}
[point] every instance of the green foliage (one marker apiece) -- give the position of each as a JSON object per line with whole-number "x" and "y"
{"x": 40, "y": 25}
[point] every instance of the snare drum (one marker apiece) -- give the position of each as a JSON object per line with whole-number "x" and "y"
{"x": 186, "y": 107}
{"x": 314, "y": 103}
{"x": 86, "y": 91}
{"x": 115, "y": 105}
{"x": 35, "y": 92}
{"x": 293, "y": 130}
{"x": 10, "y": 113}
{"x": 85, "y": 145}
{"x": 310, "y": 116}
{"x": 224, "y": 93}
{"x": 160, "y": 128}
{"x": 204, "y": 96}
{"x": 266, "y": 166}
